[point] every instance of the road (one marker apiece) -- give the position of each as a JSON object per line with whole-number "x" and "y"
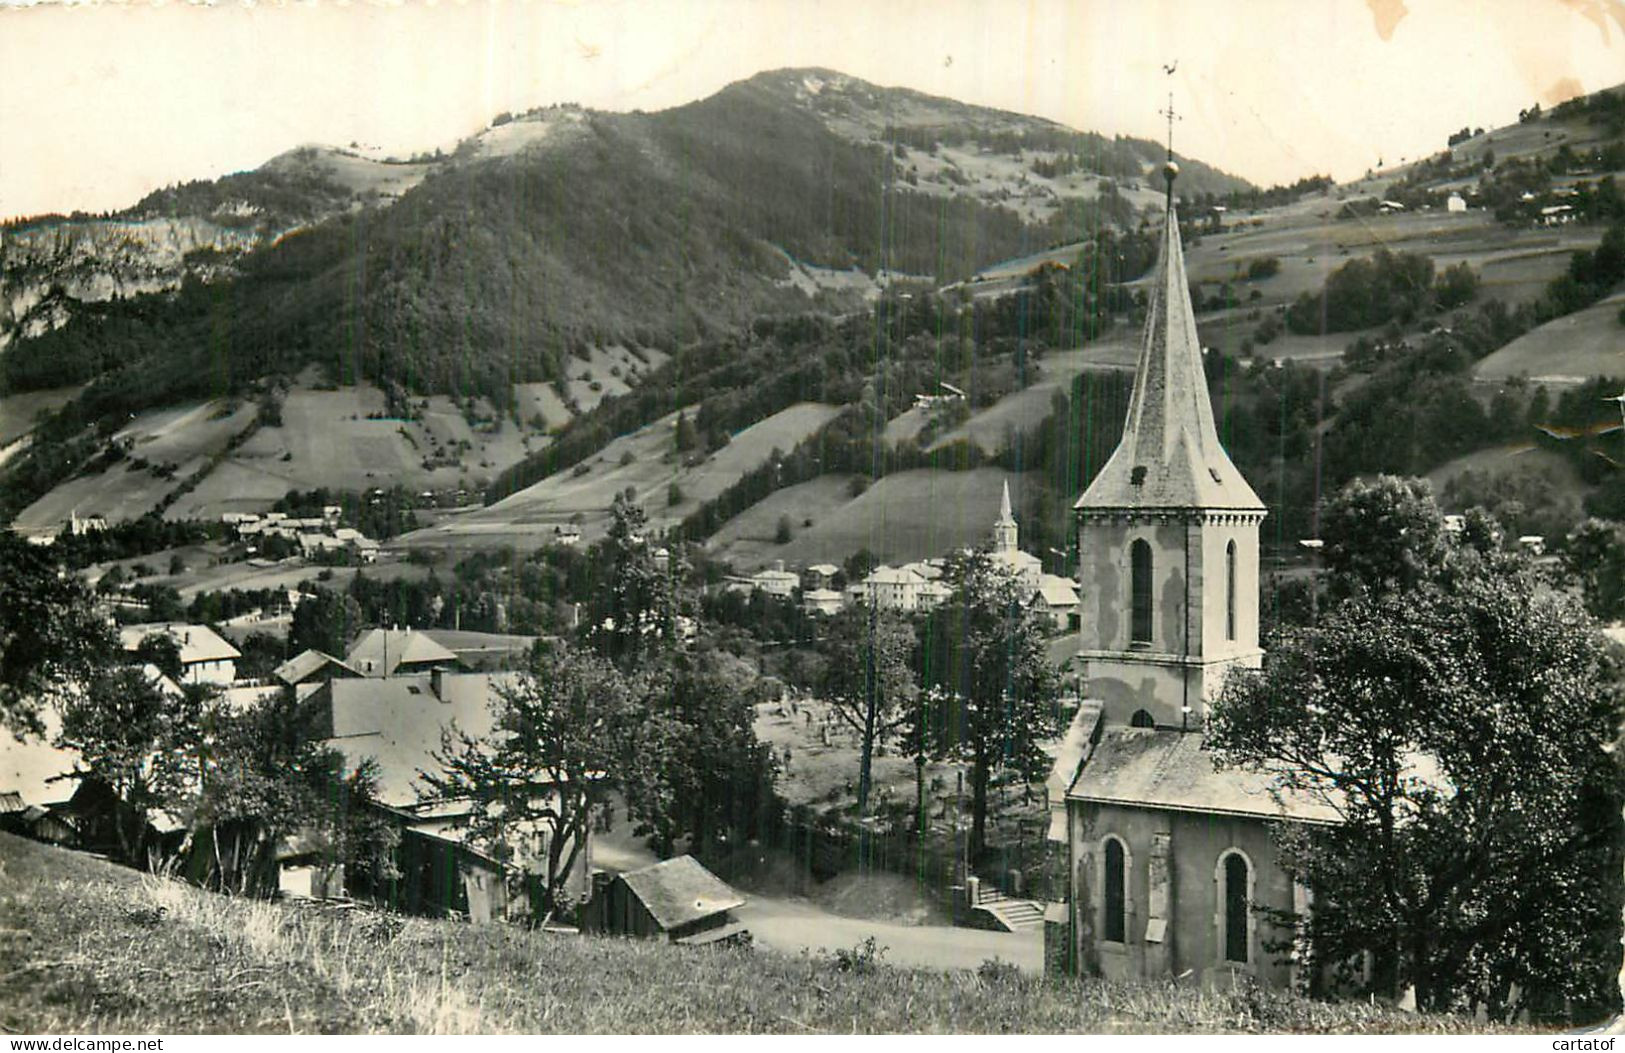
{"x": 794, "y": 925}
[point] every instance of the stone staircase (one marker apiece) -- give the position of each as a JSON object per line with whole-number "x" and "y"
{"x": 1013, "y": 915}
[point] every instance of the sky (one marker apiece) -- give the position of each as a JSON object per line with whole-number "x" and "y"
{"x": 101, "y": 103}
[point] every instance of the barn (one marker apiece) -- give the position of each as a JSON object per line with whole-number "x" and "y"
{"x": 677, "y": 898}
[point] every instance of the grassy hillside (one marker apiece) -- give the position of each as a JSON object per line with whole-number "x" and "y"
{"x": 89, "y": 947}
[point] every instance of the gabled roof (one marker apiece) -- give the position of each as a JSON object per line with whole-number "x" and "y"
{"x": 1070, "y": 752}
{"x": 680, "y": 891}
{"x": 893, "y": 576}
{"x": 197, "y": 643}
{"x": 397, "y": 722}
{"x": 1169, "y": 442}
{"x": 309, "y": 662}
{"x": 380, "y": 652}
{"x": 1166, "y": 769}
{"x": 1056, "y": 591}
{"x": 11, "y": 802}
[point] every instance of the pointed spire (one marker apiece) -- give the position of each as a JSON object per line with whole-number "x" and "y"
{"x": 1170, "y": 456}
{"x": 1005, "y": 515}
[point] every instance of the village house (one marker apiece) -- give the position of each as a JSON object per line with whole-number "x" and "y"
{"x": 397, "y": 652}
{"x": 822, "y": 601}
{"x": 397, "y": 723}
{"x": 891, "y": 588}
{"x": 205, "y": 657}
{"x": 310, "y": 667}
{"x": 820, "y": 576}
{"x": 1171, "y": 863}
{"x": 1057, "y": 598}
{"x": 775, "y": 581}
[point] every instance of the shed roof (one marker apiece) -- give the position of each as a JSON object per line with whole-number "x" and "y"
{"x": 680, "y": 891}
{"x": 1056, "y": 591}
{"x": 1155, "y": 768}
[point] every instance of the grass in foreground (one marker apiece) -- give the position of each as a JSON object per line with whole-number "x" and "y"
{"x": 86, "y": 946}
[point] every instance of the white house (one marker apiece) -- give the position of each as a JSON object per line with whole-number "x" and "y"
{"x": 1058, "y": 598}
{"x": 205, "y": 657}
{"x": 775, "y": 582}
{"x": 1455, "y": 203}
{"x": 893, "y": 588}
{"x": 822, "y": 601}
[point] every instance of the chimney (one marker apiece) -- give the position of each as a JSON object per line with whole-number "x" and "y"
{"x": 778, "y": 565}
{"x": 437, "y": 683}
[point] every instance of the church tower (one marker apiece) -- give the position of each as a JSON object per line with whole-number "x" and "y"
{"x": 1005, "y": 533}
{"x": 1167, "y": 532}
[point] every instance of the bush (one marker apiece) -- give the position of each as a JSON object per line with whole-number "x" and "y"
{"x": 674, "y": 495}
{"x": 782, "y": 534}
{"x": 1263, "y": 267}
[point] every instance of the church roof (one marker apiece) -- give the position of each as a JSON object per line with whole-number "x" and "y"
{"x": 1165, "y": 769}
{"x": 1170, "y": 456}
{"x": 1005, "y": 515}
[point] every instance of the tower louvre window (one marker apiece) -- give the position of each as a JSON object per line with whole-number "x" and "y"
{"x": 1140, "y": 573}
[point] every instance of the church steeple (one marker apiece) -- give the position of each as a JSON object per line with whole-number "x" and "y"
{"x": 1170, "y": 456}
{"x": 1005, "y": 532}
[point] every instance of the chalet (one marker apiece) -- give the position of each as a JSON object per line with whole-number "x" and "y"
{"x": 678, "y": 899}
{"x": 567, "y": 534}
{"x": 1455, "y": 203}
{"x": 388, "y": 652}
{"x": 205, "y": 657}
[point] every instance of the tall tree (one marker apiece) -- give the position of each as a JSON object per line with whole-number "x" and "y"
{"x": 698, "y": 771}
{"x": 326, "y": 622}
{"x": 255, "y": 777}
{"x": 870, "y": 680}
{"x": 1458, "y": 724}
{"x": 992, "y": 686}
{"x": 50, "y": 636}
{"x": 128, "y": 733}
{"x": 561, "y": 730}
{"x": 1382, "y": 535}
{"x": 634, "y": 613}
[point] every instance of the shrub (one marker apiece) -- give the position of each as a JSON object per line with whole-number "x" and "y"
{"x": 1263, "y": 267}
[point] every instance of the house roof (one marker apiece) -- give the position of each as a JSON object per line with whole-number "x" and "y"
{"x": 893, "y": 576}
{"x": 679, "y": 891}
{"x": 11, "y": 802}
{"x": 1056, "y": 591}
{"x": 397, "y": 722}
{"x": 820, "y": 595}
{"x": 774, "y": 575}
{"x": 1155, "y": 768}
{"x": 826, "y": 569}
{"x": 380, "y": 652}
{"x": 308, "y": 662}
{"x": 1169, "y": 442}
{"x": 197, "y": 643}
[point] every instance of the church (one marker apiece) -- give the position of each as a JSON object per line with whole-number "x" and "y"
{"x": 1170, "y": 863}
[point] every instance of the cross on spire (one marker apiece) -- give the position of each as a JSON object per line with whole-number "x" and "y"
{"x": 1172, "y": 117}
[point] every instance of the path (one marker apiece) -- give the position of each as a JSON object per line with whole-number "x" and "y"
{"x": 792, "y": 926}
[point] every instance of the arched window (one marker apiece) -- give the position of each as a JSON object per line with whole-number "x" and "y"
{"x": 1140, "y": 591}
{"x": 1230, "y": 591}
{"x": 1234, "y": 907}
{"x": 1142, "y": 719}
{"x": 1114, "y": 926}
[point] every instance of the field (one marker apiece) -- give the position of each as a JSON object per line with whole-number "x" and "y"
{"x": 17, "y": 412}
{"x": 1021, "y": 411}
{"x": 747, "y": 540}
{"x": 1567, "y": 350}
{"x": 131, "y": 954}
{"x": 645, "y": 461}
{"x": 906, "y": 516}
{"x": 185, "y": 437}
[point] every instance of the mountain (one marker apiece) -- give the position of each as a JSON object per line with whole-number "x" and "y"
{"x": 550, "y": 232}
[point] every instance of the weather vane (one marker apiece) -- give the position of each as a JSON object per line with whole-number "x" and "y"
{"x": 1169, "y": 169}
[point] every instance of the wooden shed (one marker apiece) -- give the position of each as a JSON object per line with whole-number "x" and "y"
{"x": 678, "y": 899}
